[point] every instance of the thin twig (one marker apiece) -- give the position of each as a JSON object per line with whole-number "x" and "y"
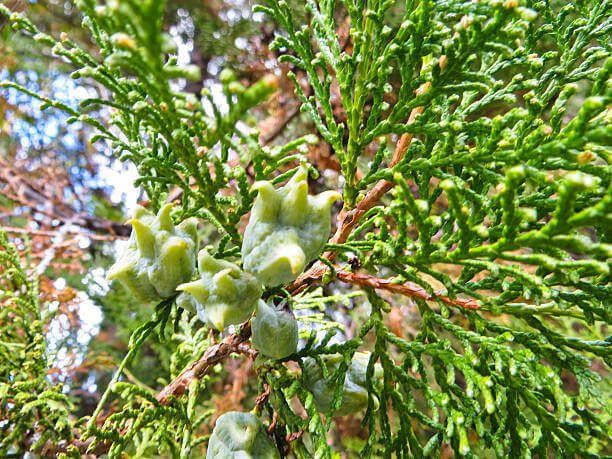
{"x": 280, "y": 127}
{"x": 408, "y": 288}
{"x": 260, "y": 399}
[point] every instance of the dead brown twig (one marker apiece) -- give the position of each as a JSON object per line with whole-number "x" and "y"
{"x": 42, "y": 233}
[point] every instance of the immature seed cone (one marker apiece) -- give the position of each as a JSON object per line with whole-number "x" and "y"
{"x": 274, "y": 331}
{"x": 240, "y": 435}
{"x": 223, "y": 295}
{"x": 355, "y": 389}
{"x": 159, "y": 255}
{"x": 287, "y": 229}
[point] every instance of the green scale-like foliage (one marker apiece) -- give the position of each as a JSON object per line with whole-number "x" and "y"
{"x": 499, "y": 185}
{"x": 502, "y": 198}
{"x": 27, "y": 398}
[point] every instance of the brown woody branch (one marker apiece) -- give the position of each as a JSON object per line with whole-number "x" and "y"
{"x": 407, "y": 289}
{"x": 213, "y": 355}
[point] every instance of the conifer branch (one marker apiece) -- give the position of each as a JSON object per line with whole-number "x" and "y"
{"x": 347, "y": 220}
{"x": 235, "y": 343}
{"x": 498, "y": 190}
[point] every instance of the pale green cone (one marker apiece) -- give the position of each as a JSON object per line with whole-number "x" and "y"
{"x": 223, "y": 295}
{"x": 177, "y": 258}
{"x": 274, "y": 331}
{"x": 355, "y": 388}
{"x": 159, "y": 256}
{"x": 240, "y": 435}
{"x": 287, "y": 229}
